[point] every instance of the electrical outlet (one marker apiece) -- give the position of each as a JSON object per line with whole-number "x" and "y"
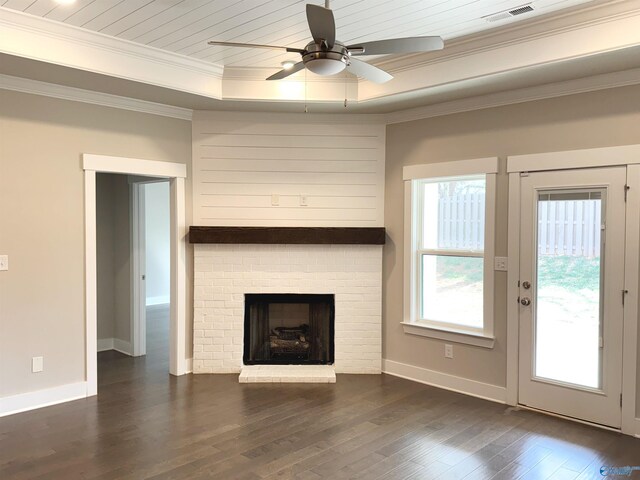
{"x": 500, "y": 264}
{"x": 37, "y": 364}
{"x": 304, "y": 200}
{"x": 448, "y": 351}
{"x": 4, "y": 262}
{"x": 275, "y": 199}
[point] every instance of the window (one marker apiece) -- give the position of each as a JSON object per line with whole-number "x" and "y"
{"x": 449, "y": 251}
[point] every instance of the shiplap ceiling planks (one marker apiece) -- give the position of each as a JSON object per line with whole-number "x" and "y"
{"x": 184, "y": 26}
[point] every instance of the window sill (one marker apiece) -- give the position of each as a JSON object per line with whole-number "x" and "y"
{"x": 449, "y": 334}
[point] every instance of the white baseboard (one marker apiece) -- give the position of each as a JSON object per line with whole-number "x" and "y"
{"x": 105, "y": 344}
{"x": 122, "y": 346}
{"x": 445, "y": 381}
{"x": 42, "y": 398}
{"x": 116, "y": 344}
{"x": 161, "y": 300}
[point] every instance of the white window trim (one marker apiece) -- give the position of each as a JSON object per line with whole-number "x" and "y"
{"x": 410, "y": 323}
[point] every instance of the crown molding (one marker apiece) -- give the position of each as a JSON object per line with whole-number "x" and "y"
{"x": 607, "y": 28}
{"x": 249, "y": 84}
{"x": 35, "y": 87}
{"x": 71, "y": 33}
{"x": 578, "y": 32}
{"x": 541, "y": 92}
{"x": 563, "y": 21}
{"x": 260, "y": 74}
{"x": 294, "y": 118}
{"x": 552, "y": 90}
{"x": 25, "y": 35}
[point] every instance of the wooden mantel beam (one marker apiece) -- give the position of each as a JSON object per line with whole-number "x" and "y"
{"x": 289, "y": 235}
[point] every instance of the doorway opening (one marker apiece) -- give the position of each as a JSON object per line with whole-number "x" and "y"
{"x": 151, "y": 222}
{"x": 133, "y": 270}
{"x": 175, "y": 174}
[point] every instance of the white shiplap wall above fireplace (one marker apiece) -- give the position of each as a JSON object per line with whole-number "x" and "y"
{"x": 245, "y": 162}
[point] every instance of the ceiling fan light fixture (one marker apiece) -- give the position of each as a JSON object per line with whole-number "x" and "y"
{"x": 325, "y": 66}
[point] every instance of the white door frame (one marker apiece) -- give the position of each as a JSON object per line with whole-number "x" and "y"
{"x": 138, "y": 248}
{"x": 627, "y": 155}
{"x": 176, "y": 173}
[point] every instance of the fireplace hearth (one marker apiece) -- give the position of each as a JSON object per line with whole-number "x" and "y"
{"x": 289, "y": 329}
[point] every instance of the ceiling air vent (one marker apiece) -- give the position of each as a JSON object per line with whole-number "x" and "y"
{"x": 514, "y": 12}
{"x": 521, "y": 10}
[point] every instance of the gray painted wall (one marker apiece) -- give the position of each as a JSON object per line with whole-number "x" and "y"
{"x": 42, "y": 224}
{"x": 590, "y": 120}
{"x": 113, "y": 256}
{"x": 42, "y": 214}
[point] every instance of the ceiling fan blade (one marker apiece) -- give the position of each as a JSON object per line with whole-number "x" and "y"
{"x": 397, "y": 45}
{"x": 254, "y": 45}
{"x": 321, "y": 24}
{"x": 285, "y": 73}
{"x": 369, "y": 72}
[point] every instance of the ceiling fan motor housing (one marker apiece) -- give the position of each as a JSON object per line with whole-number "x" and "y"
{"x": 322, "y": 61}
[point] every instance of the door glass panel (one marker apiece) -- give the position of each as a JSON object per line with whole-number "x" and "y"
{"x": 568, "y": 304}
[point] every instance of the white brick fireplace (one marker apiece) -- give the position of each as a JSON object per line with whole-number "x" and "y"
{"x": 224, "y": 273}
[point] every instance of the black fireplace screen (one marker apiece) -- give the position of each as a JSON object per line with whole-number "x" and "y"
{"x": 288, "y": 329}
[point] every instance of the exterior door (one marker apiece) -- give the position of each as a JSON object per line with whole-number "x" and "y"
{"x": 571, "y": 292}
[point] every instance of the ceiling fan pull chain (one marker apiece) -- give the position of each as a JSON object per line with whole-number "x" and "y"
{"x": 345, "y": 89}
{"x": 306, "y": 110}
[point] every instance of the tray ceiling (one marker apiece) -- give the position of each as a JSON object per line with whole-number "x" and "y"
{"x": 184, "y": 26}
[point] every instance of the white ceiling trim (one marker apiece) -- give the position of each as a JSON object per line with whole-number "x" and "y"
{"x": 500, "y": 99}
{"x": 35, "y": 87}
{"x": 552, "y": 90}
{"x": 607, "y": 27}
{"x": 260, "y": 73}
{"x": 597, "y": 32}
{"x": 297, "y": 118}
{"x": 568, "y": 20}
{"x": 48, "y": 41}
{"x": 249, "y": 84}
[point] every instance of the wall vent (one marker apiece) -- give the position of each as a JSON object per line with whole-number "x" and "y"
{"x": 514, "y": 12}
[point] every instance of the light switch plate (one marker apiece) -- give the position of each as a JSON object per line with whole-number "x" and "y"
{"x": 4, "y": 262}
{"x": 448, "y": 351}
{"x": 304, "y": 200}
{"x": 275, "y": 199}
{"x": 500, "y": 264}
{"x": 37, "y": 364}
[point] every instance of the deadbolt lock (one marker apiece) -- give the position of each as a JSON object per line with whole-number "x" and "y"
{"x": 526, "y": 285}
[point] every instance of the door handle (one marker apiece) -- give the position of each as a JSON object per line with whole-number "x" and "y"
{"x": 525, "y": 301}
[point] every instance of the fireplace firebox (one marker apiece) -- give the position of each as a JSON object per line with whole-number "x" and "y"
{"x": 289, "y": 329}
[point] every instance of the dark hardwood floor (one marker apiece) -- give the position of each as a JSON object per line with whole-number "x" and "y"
{"x": 146, "y": 424}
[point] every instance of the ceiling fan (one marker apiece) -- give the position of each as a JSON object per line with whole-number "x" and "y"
{"x": 327, "y": 56}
